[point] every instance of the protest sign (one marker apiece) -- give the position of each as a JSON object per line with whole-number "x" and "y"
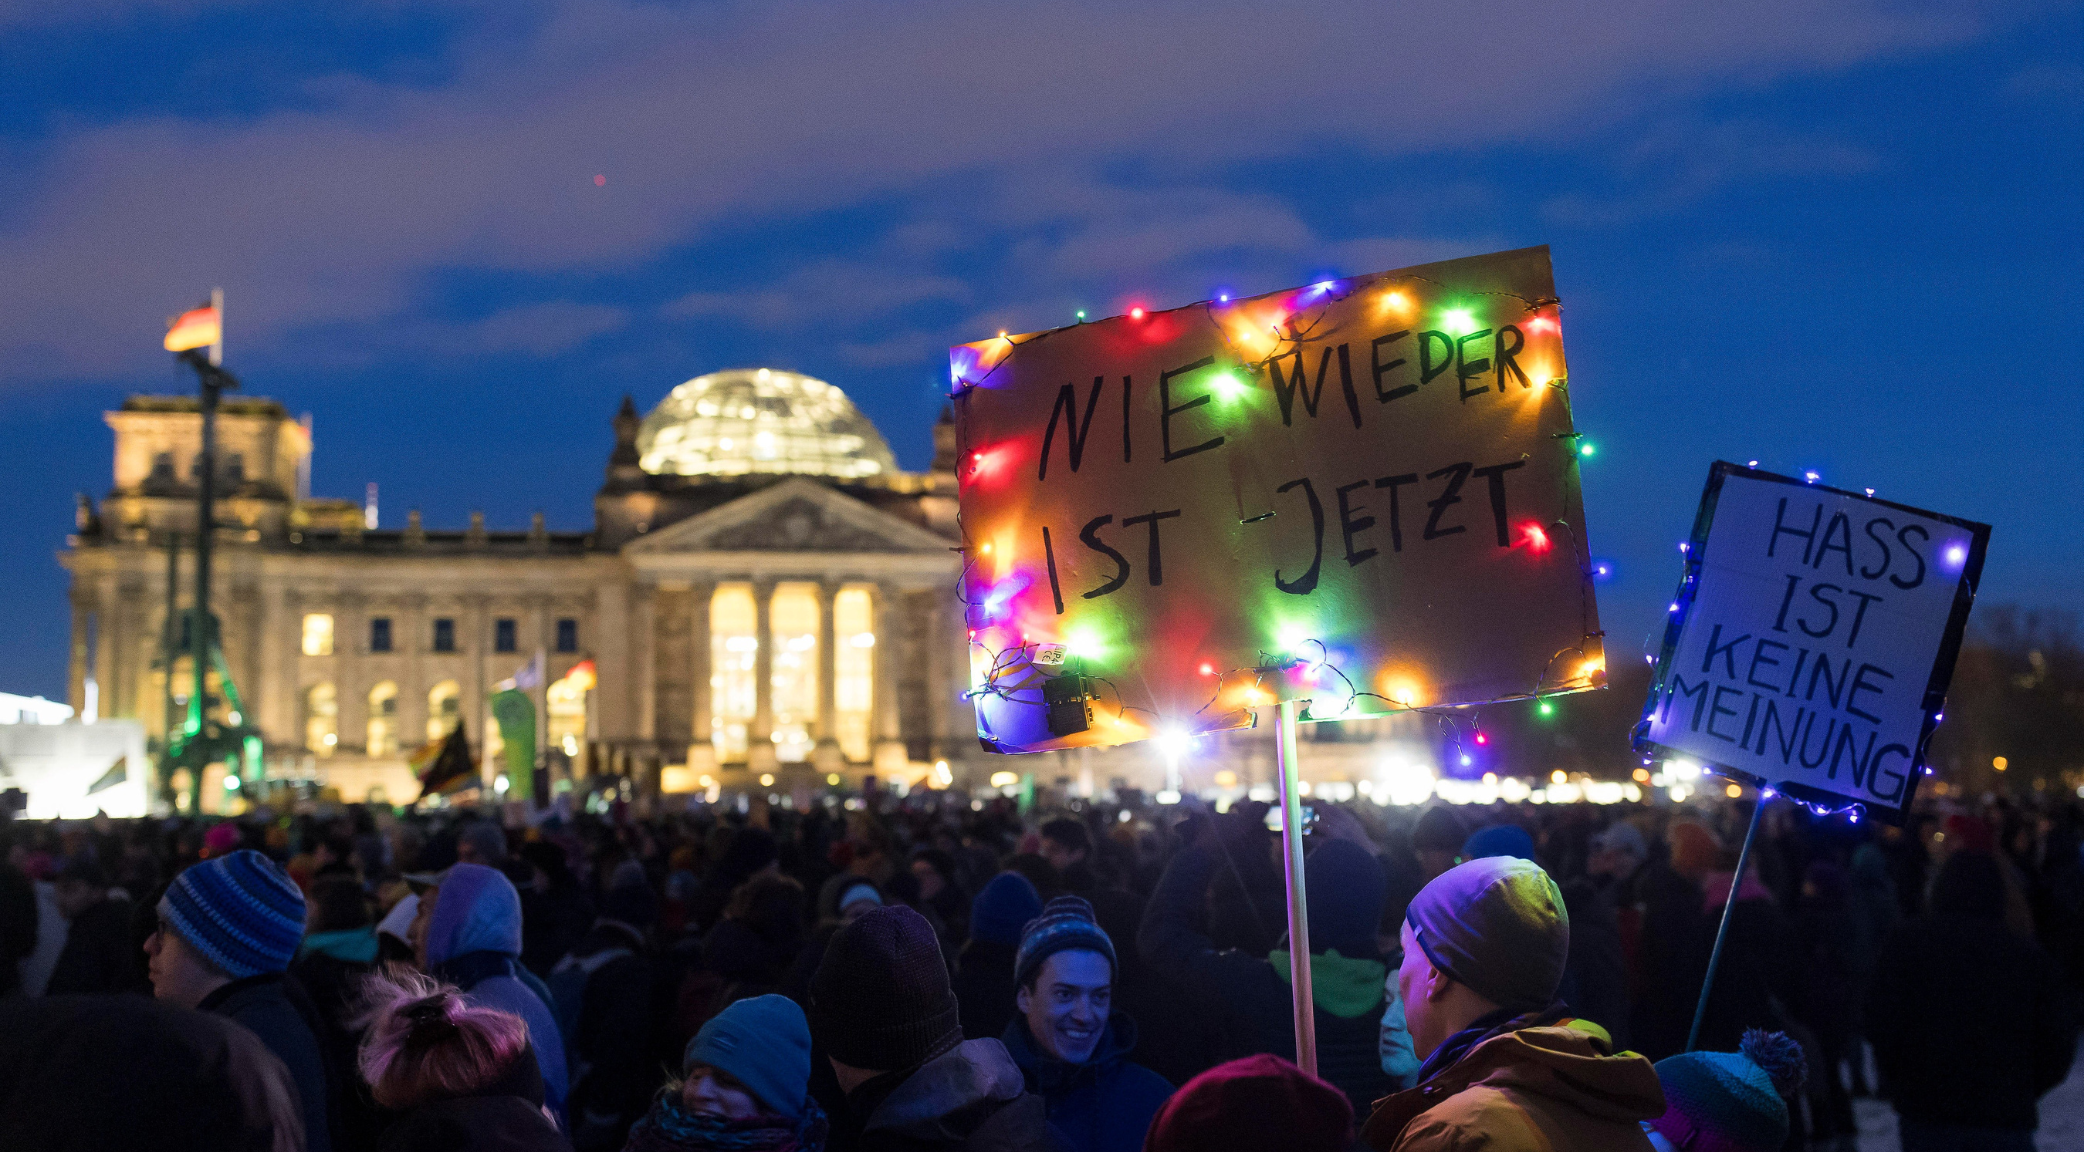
{"x": 1812, "y": 639}
{"x": 1361, "y": 494}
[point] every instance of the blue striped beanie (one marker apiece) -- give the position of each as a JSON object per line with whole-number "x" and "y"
{"x": 242, "y": 911}
{"x": 1066, "y": 923}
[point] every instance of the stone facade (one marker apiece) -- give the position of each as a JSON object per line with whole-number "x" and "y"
{"x": 347, "y": 644}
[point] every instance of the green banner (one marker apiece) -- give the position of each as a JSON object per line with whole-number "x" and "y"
{"x": 515, "y": 713}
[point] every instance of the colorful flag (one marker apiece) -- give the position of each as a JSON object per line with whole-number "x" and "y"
{"x": 515, "y": 713}
{"x": 449, "y": 769}
{"x": 196, "y": 328}
{"x": 583, "y": 676}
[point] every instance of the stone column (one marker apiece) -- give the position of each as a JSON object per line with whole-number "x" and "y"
{"x": 76, "y": 662}
{"x": 350, "y": 675}
{"x": 643, "y": 643}
{"x": 409, "y": 640}
{"x": 475, "y": 706}
{"x": 274, "y": 675}
{"x": 537, "y": 625}
{"x": 759, "y": 755}
{"x": 701, "y": 749}
{"x": 611, "y": 647}
{"x": 105, "y": 650}
{"x": 889, "y": 754}
{"x": 826, "y": 756}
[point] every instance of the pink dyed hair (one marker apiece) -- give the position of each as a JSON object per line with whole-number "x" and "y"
{"x": 425, "y": 1043}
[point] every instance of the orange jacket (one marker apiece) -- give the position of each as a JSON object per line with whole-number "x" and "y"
{"x": 1549, "y": 1089}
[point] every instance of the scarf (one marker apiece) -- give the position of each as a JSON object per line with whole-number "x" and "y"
{"x": 1483, "y": 1028}
{"x": 1345, "y": 987}
{"x": 670, "y": 1128}
{"x": 354, "y": 945}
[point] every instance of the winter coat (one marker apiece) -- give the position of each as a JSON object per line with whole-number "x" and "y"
{"x": 971, "y": 1098}
{"x": 1671, "y": 961}
{"x": 1103, "y": 1105}
{"x": 1970, "y": 1024}
{"x": 1595, "y": 976}
{"x": 984, "y": 988}
{"x": 604, "y": 998}
{"x": 1537, "y": 1089}
{"x": 473, "y": 942}
{"x": 552, "y": 922}
{"x": 99, "y": 955}
{"x": 276, "y": 1010}
{"x": 330, "y": 967}
{"x": 475, "y": 1124}
{"x": 1248, "y": 998}
{"x": 87, "y": 1073}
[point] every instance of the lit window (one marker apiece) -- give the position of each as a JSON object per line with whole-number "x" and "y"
{"x": 565, "y": 717}
{"x": 444, "y": 709}
{"x": 380, "y": 634}
{"x": 503, "y": 634}
{"x": 853, "y": 671}
{"x": 444, "y": 634}
{"x": 734, "y": 649}
{"x": 793, "y": 620}
{"x": 383, "y": 719}
{"x": 567, "y": 634}
{"x": 318, "y": 634}
{"x": 321, "y": 719}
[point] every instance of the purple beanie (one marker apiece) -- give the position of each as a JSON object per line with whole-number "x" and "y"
{"x": 1496, "y": 925}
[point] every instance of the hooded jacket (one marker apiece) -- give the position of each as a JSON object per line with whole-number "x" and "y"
{"x": 1103, "y": 1105}
{"x": 1248, "y": 998}
{"x": 971, "y": 1098}
{"x": 1533, "y": 1089}
{"x": 271, "y": 1006}
{"x": 474, "y": 942}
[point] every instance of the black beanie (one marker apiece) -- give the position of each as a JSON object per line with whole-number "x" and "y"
{"x": 881, "y": 1000}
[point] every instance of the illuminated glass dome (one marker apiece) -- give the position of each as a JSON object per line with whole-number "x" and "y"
{"x": 761, "y": 421}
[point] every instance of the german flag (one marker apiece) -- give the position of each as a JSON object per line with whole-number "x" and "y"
{"x": 444, "y": 766}
{"x": 195, "y": 328}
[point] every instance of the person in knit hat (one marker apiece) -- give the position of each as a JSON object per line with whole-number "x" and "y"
{"x": 984, "y": 982}
{"x": 884, "y": 1014}
{"x": 1248, "y": 998}
{"x": 743, "y": 1087}
{"x": 1505, "y": 1065}
{"x": 1072, "y": 1047}
{"x": 1728, "y": 1101}
{"x": 228, "y": 928}
{"x": 1256, "y": 1104}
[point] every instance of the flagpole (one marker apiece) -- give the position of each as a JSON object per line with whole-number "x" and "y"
{"x": 1288, "y": 764}
{"x": 217, "y": 348}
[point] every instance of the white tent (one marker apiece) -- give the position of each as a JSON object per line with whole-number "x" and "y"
{"x": 72, "y": 771}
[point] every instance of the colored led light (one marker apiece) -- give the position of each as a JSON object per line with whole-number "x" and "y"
{"x": 1545, "y": 708}
{"x": 1587, "y": 449}
{"x": 1458, "y": 321}
{"x": 1537, "y": 539}
{"x": 1208, "y": 669}
{"x": 1081, "y": 314}
{"x": 1467, "y": 760}
{"x": 1135, "y": 313}
{"x": 1482, "y": 739}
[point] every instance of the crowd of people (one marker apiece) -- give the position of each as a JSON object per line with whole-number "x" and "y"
{"x": 930, "y": 973}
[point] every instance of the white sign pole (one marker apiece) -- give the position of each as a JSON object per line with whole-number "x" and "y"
{"x": 1298, "y": 901}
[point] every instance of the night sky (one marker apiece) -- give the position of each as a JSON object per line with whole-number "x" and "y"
{"x": 1832, "y": 236}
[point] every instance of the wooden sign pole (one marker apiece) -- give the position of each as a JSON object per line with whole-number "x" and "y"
{"x": 1298, "y": 900}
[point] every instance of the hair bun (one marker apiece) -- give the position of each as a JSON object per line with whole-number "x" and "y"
{"x": 431, "y": 1018}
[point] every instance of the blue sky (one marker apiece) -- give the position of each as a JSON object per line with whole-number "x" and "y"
{"x": 1840, "y": 236}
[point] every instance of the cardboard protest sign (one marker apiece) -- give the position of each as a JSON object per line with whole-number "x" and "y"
{"x": 1812, "y": 639}
{"x": 1362, "y": 493}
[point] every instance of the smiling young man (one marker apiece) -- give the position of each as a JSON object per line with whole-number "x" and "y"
{"x": 1072, "y": 1047}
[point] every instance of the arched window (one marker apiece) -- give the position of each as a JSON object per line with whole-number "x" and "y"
{"x": 793, "y": 618}
{"x": 734, "y": 653}
{"x": 383, "y": 719}
{"x": 853, "y": 670}
{"x": 444, "y": 709}
{"x": 321, "y": 719}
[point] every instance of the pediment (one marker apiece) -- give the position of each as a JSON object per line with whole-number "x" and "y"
{"x": 796, "y": 515}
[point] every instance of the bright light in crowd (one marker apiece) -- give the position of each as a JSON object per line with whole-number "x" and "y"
{"x": 1004, "y": 779}
{"x": 1811, "y": 477}
{"x": 1558, "y": 776}
{"x": 1684, "y": 769}
{"x": 1175, "y": 742}
{"x": 1402, "y": 782}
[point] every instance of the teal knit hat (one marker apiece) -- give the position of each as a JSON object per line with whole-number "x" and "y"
{"x": 764, "y": 1043}
{"x": 1731, "y": 1101}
